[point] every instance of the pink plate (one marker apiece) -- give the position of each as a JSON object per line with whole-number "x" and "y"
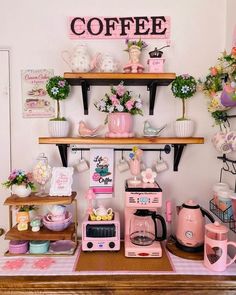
{"x": 62, "y": 246}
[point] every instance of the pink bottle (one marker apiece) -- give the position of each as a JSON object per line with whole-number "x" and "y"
{"x": 215, "y": 247}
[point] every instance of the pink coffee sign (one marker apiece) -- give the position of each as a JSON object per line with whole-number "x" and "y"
{"x": 153, "y": 27}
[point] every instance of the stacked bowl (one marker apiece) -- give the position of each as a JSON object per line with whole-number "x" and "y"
{"x": 57, "y": 225}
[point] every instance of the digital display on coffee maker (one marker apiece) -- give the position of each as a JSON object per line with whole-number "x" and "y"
{"x": 144, "y": 200}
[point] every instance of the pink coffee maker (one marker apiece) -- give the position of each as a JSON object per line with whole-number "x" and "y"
{"x": 215, "y": 248}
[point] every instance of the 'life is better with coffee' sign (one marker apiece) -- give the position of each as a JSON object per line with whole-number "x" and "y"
{"x": 153, "y": 27}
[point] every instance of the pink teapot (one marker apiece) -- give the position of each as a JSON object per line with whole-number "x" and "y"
{"x": 79, "y": 59}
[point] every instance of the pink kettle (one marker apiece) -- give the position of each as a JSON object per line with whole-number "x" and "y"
{"x": 190, "y": 226}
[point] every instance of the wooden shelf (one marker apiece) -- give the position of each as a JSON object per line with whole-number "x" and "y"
{"x": 151, "y": 80}
{"x": 177, "y": 142}
{"x": 142, "y": 79}
{"x": 120, "y": 141}
{"x": 43, "y": 234}
{"x": 14, "y": 200}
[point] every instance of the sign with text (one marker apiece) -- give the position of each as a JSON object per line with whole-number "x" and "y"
{"x": 144, "y": 27}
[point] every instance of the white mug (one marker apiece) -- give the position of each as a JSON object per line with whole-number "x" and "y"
{"x": 82, "y": 165}
{"x": 123, "y": 165}
{"x": 161, "y": 165}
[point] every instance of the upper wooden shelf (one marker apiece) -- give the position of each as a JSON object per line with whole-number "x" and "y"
{"x": 151, "y": 80}
{"x": 14, "y": 200}
{"x": 142, "y": 79}
{"x": 121, "y": 141}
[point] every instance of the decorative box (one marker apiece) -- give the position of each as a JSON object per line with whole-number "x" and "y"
{"x": 38, "y": 247}
{"x": 156, "y": 65}
{"x": 18, "y": 247}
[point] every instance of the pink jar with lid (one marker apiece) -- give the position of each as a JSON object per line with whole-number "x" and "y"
{"x": 18, "y": 247}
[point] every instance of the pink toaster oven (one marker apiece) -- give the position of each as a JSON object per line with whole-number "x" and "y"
{"x": 101, "y": 235}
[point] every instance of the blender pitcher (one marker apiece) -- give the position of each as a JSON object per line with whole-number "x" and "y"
{"x": 143, "y": 227}
{"x": 215, "y": 248}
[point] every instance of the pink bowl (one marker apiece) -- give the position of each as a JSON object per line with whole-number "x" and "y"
{"x": 58, "y": 225}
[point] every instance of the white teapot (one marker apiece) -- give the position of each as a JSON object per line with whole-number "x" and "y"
{"x": 79, "y": 59}
{"x": 108, "y": 64}
{"x": 102, "y": 211}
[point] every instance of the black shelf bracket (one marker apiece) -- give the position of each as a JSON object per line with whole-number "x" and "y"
{"x": 152, "y": 88}
{"x": 63, "y": 153}
{"x": 85, "y": 80}
{"x": 178, "y": 150}
{"x": 85, "y": 88}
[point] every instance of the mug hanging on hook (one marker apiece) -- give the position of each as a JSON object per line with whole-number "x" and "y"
{"x": 123, "y": 165}
{"x": 161, "y": 165}
{"x": 82, "y": 165}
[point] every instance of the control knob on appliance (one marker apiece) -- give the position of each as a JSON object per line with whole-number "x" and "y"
{"x": 112, "y": 245}
{"x": 89, "y": 245}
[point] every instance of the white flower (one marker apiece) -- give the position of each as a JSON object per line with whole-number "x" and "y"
{"x": 111, "y": 109}
{"x": 148, "y": 175}
{"x": 139, "y": 105}
{"x": 119, "y": 108}
{"x": 185, "y": 89}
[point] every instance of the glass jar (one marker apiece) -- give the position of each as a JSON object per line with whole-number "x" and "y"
{"x": 42, "y": 173}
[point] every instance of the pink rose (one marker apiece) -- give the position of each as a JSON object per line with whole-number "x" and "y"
{"x": 214, "y": 71}
{"x": 96, "y": 176}
{"x": 233, "y": 51}
{"x": 115, "y": 101}
{"x": 120, "y": 89}
{"x": 129, "y": 104}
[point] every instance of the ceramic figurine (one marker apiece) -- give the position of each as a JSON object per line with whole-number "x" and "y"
{"x": 85, "y": 131}
{"x": 22, "y": 219}
{"x": 35, "y": 224}
{"x": 150, "y": 131}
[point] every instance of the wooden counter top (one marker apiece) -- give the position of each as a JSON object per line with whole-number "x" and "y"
{"x": 118, "y": 284}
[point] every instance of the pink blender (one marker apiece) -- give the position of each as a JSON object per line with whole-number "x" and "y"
{"x": 215, "y": 248}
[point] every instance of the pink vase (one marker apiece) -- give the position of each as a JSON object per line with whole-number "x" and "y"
{"x": 120, "y": 125}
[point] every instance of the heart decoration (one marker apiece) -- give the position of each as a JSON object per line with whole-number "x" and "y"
{"x": 213, "y": 254}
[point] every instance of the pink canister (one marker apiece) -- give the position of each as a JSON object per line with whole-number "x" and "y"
{"x": 18, "y": 247}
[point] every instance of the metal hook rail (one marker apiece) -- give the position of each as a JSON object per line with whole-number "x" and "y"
{"x": 166, "y": 149}
{"x": 227, "y": 168}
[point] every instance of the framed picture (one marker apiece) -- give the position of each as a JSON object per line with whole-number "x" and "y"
{"x": 36, "y": 102}
{"x": 62, "y": 178}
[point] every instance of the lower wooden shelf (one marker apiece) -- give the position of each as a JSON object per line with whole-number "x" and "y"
{"x": 43, "y": 234}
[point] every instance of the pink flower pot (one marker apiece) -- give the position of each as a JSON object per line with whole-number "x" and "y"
{"x": 120, "y": 125}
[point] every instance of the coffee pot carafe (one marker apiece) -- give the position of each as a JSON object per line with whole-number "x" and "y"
{"x": 215, "y": 250}
{"x": 143, "y": 227}
{"x": 190, "y": 226}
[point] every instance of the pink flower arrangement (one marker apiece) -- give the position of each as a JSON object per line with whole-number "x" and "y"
{"x": 120, "y": 100}
{"x": 19, "y": 177}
